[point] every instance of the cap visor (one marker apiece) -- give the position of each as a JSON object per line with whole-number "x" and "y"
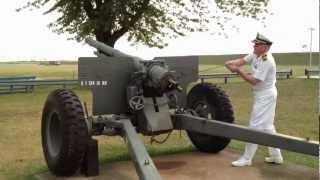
{"x": 258, "y": 41}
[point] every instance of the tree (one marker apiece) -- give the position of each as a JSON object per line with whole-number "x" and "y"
{"x": 150, "y": 22}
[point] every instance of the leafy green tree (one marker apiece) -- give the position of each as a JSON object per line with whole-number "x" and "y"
{"x": 150, "y": 22}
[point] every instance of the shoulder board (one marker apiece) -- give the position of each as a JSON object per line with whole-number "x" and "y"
{"x": 264, "y": 57}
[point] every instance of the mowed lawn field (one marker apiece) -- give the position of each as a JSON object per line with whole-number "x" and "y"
{"x": 20, "y": 119}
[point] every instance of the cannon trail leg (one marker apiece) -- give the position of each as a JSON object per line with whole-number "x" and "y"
{"x": 142, "y": 161}
{"x": 233, "y": 131}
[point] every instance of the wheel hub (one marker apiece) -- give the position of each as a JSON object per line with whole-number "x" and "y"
{"x": 203, "y": 109}
{"x": 54, "y": 134}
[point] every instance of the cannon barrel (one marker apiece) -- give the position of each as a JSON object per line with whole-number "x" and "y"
{"x": 158, "y": 74}
{"x": 109, "y": 51}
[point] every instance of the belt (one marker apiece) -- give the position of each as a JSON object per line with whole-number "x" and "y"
{"x": 265, "y": 91}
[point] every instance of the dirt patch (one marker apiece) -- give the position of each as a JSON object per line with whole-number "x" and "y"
{"x": 166, "y": 165}
{"x": 203, "y": 166}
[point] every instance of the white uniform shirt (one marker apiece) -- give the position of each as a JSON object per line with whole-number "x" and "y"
{"x": 263, "y": 69}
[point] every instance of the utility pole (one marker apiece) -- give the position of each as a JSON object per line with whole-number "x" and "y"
{"x": 305, "y": 50}
{"x": 310, "y": 55}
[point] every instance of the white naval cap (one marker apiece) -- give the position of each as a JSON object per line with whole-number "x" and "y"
{"x": 261, "y": 39}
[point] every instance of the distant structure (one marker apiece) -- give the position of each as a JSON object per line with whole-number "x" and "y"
{"x": 50, "y": 63}
{"x": 54, "y": 62}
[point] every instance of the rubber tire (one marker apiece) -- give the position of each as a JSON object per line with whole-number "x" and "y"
{"x": 64, "y": 132}
{"x": 221, "y": 109}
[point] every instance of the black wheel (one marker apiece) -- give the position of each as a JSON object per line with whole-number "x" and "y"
{"x": 64, "y": 132}
{"x": 209, "y": 101}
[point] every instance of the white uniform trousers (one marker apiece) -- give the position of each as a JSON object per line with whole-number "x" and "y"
{"x": 262, "y": 118}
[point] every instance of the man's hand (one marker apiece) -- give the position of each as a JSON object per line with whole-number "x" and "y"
{"x": 235, "y": 67}
{"x": 232, "y": 66}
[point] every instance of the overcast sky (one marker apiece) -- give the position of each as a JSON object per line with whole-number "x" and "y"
{"x": 25, "y": 36}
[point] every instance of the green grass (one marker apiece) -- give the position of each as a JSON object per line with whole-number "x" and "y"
{"x": 20, "y": 144}
{"x": 64, "y": 71}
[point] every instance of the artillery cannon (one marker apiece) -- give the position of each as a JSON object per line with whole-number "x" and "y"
{"x": 133, "y": 96}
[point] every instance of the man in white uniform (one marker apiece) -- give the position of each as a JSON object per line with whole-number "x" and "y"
{"x": 263, "y": 80}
